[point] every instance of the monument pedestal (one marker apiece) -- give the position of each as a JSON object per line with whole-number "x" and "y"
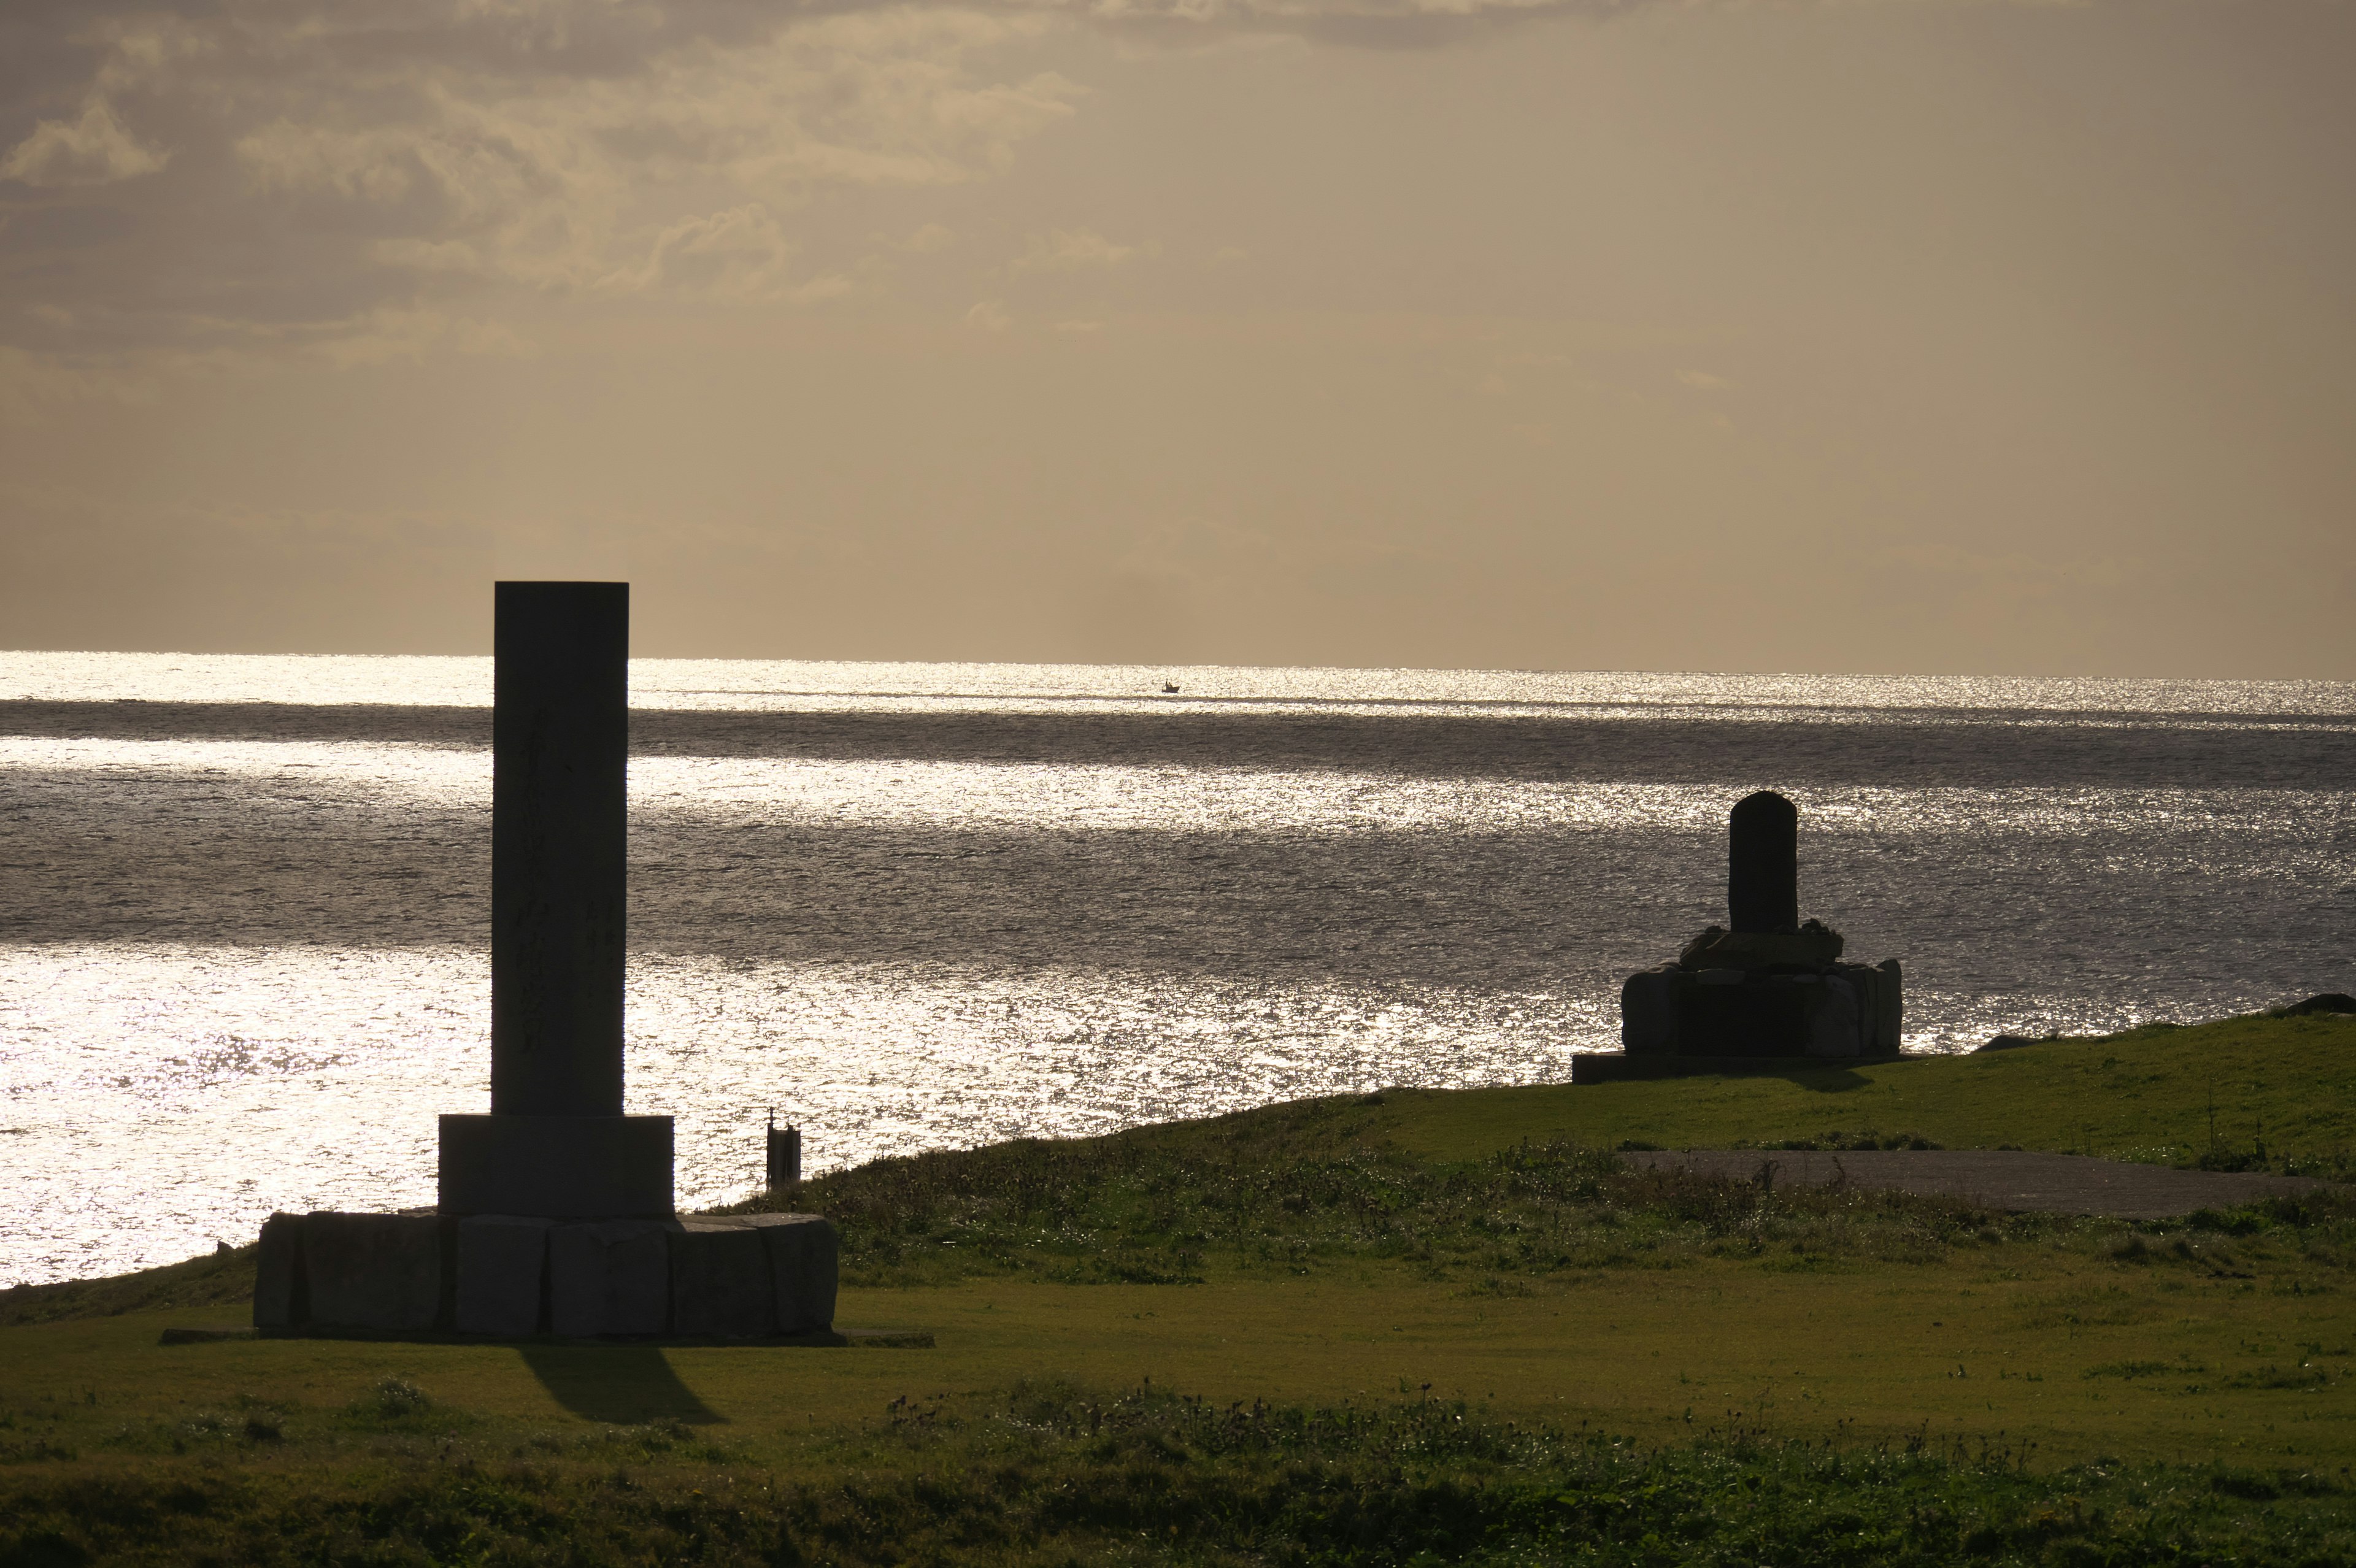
{"x": 557, "y": 1168}
{"x": 729, "y": 1277}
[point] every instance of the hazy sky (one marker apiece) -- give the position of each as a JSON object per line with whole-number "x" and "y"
{"x": 1882, "y": 335}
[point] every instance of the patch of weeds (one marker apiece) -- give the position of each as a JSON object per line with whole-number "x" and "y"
{"x": 2142, "y": 1370}
{"x": 395, "y": 1398}
{"x": 1865, "y": 1142}
{"x": 31, "y": 1450}
{"x": 2301, "y": 1377}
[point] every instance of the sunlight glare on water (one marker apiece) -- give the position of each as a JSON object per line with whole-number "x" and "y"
{"x": 915, "y": 906}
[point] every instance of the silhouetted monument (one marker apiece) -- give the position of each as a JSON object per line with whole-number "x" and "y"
{"x": 556, "y": 1142}
{"x": 1762, "y": 863}
{"x": 1769, "y": 993}
{"x": 555, "y": 1211}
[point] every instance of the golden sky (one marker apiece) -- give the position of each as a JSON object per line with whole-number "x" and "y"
{"x": 1875, "y": 335}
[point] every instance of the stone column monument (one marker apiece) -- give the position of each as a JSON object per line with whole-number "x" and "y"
{"x": 555, "y": 1212}
{"x": 556, "y": 1142}
{"x": 1767, "y": 994}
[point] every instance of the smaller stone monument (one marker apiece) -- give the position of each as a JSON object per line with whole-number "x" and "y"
{"x": 555, "y": 1212}
{"x": 1765, "y": 996}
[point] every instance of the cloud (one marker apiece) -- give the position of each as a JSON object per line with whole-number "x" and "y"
{"x": 989, "y": 315}
{"x": 740, "y": 253}
{"x": 287, "y": 169}
{"x": 1703, "y": 381}
{"x": 303, "y": 168}
{"x": 1073, "y": 249}
{"x": 95, "y": 149}
{"x": 384, "y": 336}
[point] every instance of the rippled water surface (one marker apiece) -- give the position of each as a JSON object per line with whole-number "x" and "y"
{"x": 242, "y": 957}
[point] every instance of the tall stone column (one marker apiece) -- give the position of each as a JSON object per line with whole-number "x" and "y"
{"x": 1762, "y": 864}
{"x": 556, "y": 1144}
{"x": 560, "y": 740}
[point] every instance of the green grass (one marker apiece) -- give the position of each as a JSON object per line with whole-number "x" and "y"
{"x": 1049, "y": 1473}
{"x": 223, "y": 1278}
{"x": 2249, "y": 1092}
{"x": 1387, "y": 1329}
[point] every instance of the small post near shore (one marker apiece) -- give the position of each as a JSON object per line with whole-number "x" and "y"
{"x": 785, "y": 1156}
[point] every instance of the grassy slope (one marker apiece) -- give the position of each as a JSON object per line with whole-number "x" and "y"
{"x": 1358, "y": 1250}
{"x": 2145, "y": 1094}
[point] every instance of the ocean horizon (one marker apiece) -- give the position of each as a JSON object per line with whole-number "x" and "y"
{"x": 925, "y": 905}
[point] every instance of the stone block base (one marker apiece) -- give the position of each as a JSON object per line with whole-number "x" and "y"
{"x": 1841, "y": 1010}
{"x": 373, "y": 1270}
{"x": 719, "y": 1283}
{"x": 558, "y": 1167}
{"x": 502, "y": 1275}
{"x": 610, "y": 1278}
{"x": 803, "y": 1256}
{"x": 747, "y": 1276}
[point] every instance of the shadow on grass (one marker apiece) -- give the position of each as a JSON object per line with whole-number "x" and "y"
{"x": 1833, "y": 1081}
{"x": 627, "y": 1384}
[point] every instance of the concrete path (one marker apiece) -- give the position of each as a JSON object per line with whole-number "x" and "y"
{"x": 2000, "y": 1178}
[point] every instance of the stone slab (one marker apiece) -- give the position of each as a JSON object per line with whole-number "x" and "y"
{"x": 372, "y": 1271}
{"x": 280, "y": 1300}
{"x": 805, "y": 1259}
{"x": 721, "y": 1282}
{"x": 609, "y": 1278}
{"x": 502, "y": 1275}
{"x": 558, "y": 1167}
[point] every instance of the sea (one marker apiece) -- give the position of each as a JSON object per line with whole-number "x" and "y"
{"x": 243, "y": 924}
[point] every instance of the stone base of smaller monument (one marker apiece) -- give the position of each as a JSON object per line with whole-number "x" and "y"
{"x": 1777, "y": 998}
{"x": 748, "y": 1276}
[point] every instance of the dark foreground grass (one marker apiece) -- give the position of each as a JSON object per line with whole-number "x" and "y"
{"x": 1049, "y": 1473}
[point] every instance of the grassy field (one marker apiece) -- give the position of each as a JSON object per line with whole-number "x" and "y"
{"x": 2243, "y": 1094}
{"x": 1346, "y": 1331}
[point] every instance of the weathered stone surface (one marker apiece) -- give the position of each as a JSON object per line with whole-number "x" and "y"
{"x": 804, "y": 1260}
{"x": 564, "y": 1168}
{"x": 1889, "y": 1008}
{"x": 609, "y": 1278}
{"x": 372, "y": 1271}
{"x": 502, "y": 1275}
{"x": 559, "y": 746}
{"x": 721, "y": 1281}
{"x": 1648, "y": 1010}
{"x": 278, "y": 1294}
{"x": 1757, "y": 951}
{"x": 1835, "y": 1022}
